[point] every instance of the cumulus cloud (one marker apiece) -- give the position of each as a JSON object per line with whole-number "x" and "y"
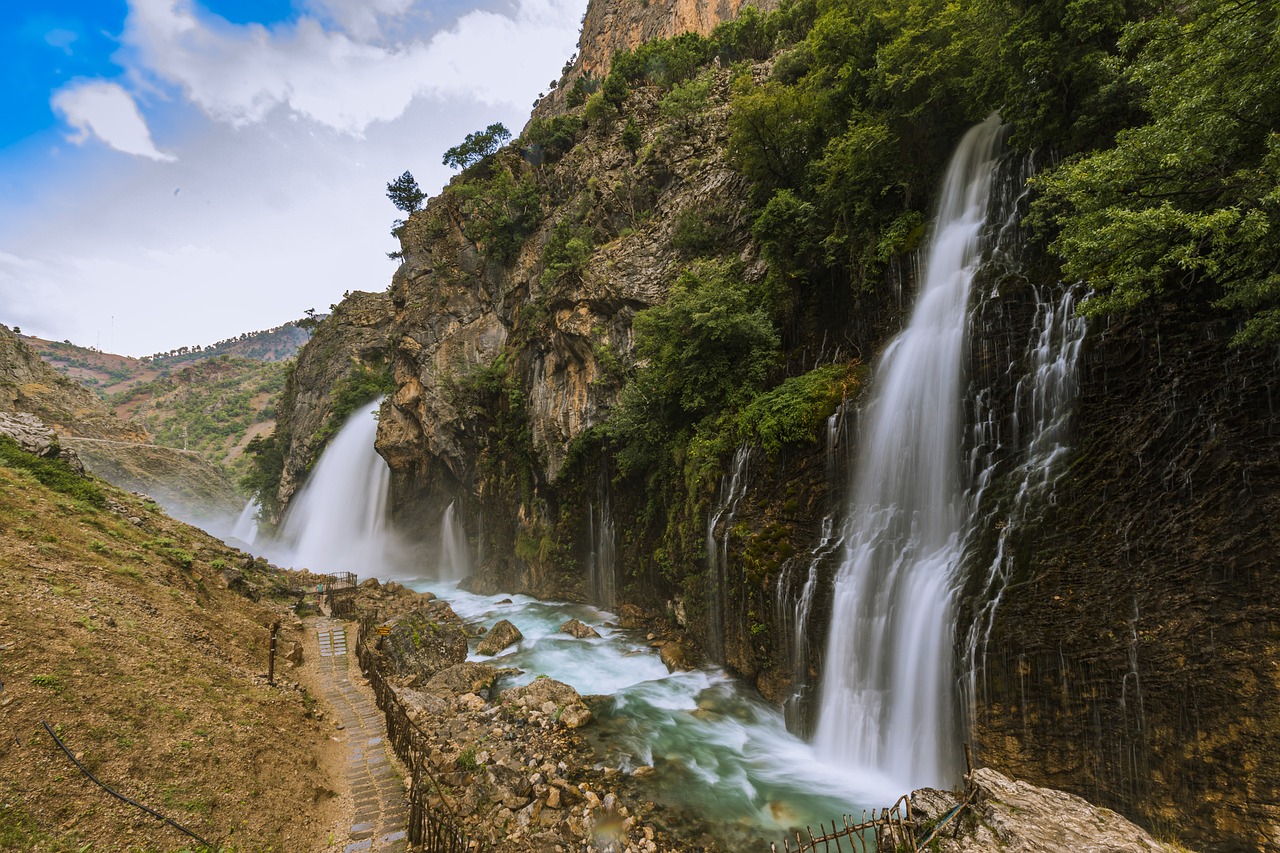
{"x": 343, "y": 79}
{"x": 105, "y": 110}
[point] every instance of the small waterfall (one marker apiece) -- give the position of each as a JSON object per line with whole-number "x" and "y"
{"x": 455, "y": 555}
{"x": 338, "y": 520}
{"x": 887, "y": 697}
{"x": 602, "y": 561}
{"x": 1044, "y": 399}
{"x": 246, "y": 527}
{"x": 732, "y": 488}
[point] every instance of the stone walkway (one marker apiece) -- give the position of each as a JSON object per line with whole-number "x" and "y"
{"x": 380, "y": 812}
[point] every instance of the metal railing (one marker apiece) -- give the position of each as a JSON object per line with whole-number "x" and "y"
{"x": 431, "y": 831}
{"x": 340, "y": 595}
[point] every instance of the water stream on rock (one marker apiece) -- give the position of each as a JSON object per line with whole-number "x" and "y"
{"x": 245, "y": 529}
{"x": 455, "y": 556}
{"x": 888, "y": 698}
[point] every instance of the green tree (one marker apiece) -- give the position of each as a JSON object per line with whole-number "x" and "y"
{"x": 1185, "y": 205}
{"x": 477, "y": 146}
{"x": 405, "y": 194}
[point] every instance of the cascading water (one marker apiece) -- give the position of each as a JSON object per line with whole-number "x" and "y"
{"x": 246, "y": 526}
{"x": 887, "y": 697}
{"x": 338, "y": 520}
{"x": 455, "y": 556}
{"x": 732, "y": 488}
{"x": 602, "y": 561}
{"x": 1043, "y": 401}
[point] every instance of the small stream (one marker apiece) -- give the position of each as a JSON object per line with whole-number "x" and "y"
{"x": 718, "y": 750}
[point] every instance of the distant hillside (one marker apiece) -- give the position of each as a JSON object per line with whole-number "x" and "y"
{"x": 107, "y": 373}
{"x": 212, "y": 407}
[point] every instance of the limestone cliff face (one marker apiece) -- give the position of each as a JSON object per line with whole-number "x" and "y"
{"x": 461, "y": 319}
{"x": 353, "y": 336}
{"x": 613, "y": 25}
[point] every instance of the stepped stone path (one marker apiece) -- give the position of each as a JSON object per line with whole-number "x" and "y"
{"x": 380, "y": 812}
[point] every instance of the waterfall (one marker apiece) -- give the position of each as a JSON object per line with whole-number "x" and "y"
{"x": 602, "y": 561}
{"x": 455, "y": 556}
{"x": 887, "y": 698}
{"x": 246, "y": 526}
{"x": 732, "y": 488}
{"x": 1043, "y": 401}
{"x": 338, "y": 520}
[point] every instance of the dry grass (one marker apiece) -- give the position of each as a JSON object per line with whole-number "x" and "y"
{"x": 123, "y": 636}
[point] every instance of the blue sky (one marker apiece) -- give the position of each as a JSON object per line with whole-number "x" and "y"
{"x": 175, "y": 172}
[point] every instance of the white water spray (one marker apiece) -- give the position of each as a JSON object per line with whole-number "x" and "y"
{"x": 888, "y": 697}
{"x": 246, "y": 526}
{"x": 455, "y": 555}
{"x": 338, "y": 520}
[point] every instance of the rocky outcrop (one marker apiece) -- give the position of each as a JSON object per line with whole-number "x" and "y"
{"x": 352, "y": 337}
{"x": 425, "y": 642}
{"x": 28, "y": 384}
{"x": 1020, "y": 818}
{"x": 35, "y": 438}
{"x": 578, "y": 628}
{"x": 546, "y": 698}
{"x": 613, "y": 25}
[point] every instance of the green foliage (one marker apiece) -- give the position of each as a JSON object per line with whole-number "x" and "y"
{"x": 500, "y": 212}
{"x": 794, "y": 411}
{"x": 566, "y": 252}
{"x": 52, "y": 473}
{"x": 547, "y": 140}
{"x": 266, "y": 467}
{"x": 707, "y": 349}
{"x": 405, "y": 193}
{"x": 1185, "y": 204}
{"x": 599, "y": 113}
{"x": 477, "y": 146}
{"x": 686, "y": 101}
{"x": 631, "y": 136}
{"x": 358, "y": 388}
{"x": 701, "y": 231}
{"x": 583, "y": 88}
{"x": 662, "y": 62}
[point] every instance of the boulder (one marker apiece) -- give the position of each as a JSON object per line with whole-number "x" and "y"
{"x": 550, "y": 698}
{"x": 501, "y": 636}
{"x": 462, "y": 678}
{"x": 1017, "y": 817}
{"x": 676, "y": 656}
{"x": 579, "y": 629}
{"x": 426, "y": 641}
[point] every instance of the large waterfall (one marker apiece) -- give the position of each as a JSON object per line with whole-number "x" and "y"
{"x": 888, "y": 698}
{"x": 338, "y": 521}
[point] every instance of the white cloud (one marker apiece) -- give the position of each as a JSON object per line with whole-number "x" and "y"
{"x": 345, "y": 80}
{"x": 105, "y": 110}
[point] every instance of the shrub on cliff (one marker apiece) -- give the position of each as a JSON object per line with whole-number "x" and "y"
{"x": 477, "y": 146}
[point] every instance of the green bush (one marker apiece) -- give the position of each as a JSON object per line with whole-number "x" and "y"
{"x": 53, "y": 473}
{"x": 794, "y": 411}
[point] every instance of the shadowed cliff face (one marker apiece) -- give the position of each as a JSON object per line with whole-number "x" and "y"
{"x": 1134, "y": 657}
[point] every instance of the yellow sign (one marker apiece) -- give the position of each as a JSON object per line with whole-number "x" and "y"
{"x": 384, "y": 630}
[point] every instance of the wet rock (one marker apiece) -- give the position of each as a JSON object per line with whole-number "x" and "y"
{"x": 631, "y": 616}
{"x": 676, "y": 656}
{"x": 579, "y": 629}
{"x": 501, "y": 636}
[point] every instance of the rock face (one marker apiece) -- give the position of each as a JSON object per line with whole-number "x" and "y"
{"x": 34, "y": 437}
{"x": 613, "y": 25}
{"x": 1020, "y": 818}
{"x": 1132, "y": 660}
